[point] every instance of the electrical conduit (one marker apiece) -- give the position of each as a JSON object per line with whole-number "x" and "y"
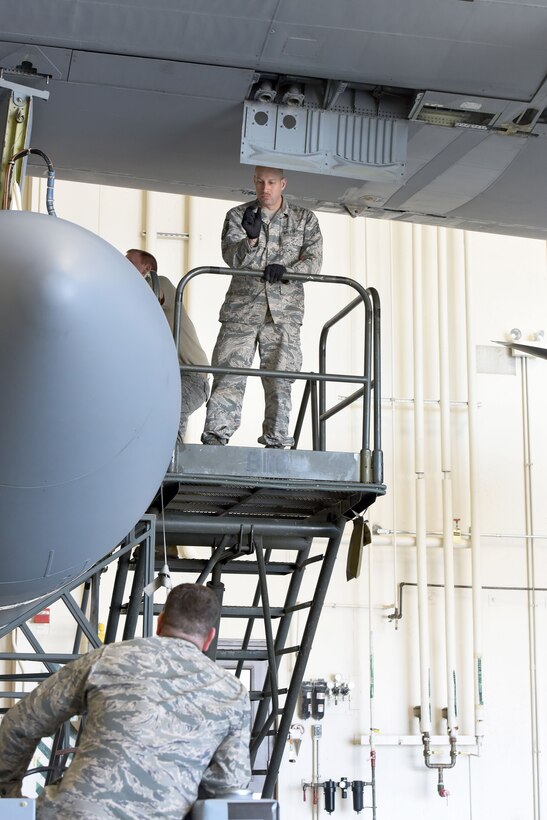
{"x": 446, "y": 469}
{"x": 419, "y": 458}
{"x": 474, "y": 502}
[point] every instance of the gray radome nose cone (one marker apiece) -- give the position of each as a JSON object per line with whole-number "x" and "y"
{"x": 89, "y": 403}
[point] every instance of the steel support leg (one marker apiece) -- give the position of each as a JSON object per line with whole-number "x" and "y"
{"x": 118, "y": 590}
{"x": 281, "y": 636}
{"x": 135, "y": 597}
{"x": 216, "y": 584}
{"x": 301, "y": 661}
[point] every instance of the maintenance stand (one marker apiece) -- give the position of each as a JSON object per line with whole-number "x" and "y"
{"x": 243, "y": 506}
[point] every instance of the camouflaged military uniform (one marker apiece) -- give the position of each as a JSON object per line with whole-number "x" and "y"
{"x": 161, "y": 718}
{"x": 267, "y": 314}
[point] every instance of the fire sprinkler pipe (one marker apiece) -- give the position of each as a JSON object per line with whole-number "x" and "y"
{"x": 446, "y": 469}
{"x": 532, "y": 589}
{"x": 372, "y": 719}
{"x": 473, "y": 492}
{"x": 393, "y": 493}
{"x": 419, "y": 458}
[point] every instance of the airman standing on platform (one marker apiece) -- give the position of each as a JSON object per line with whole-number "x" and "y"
{"x": 273, "y": 236}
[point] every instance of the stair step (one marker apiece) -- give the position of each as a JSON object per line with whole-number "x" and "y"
{"x": 234, "y": 567}
{"x": 250, "y": 654}
{"x": 251, "y": 612}
{"x": 256, "y": 694}
{"x": 227, "y": 612}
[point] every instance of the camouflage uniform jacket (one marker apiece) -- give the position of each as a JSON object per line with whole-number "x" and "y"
{"x": 161, "y": 718}
{"x": 292, "y": 238}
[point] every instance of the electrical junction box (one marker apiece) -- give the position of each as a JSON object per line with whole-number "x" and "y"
{"x": 42, "y": 617}
{"x": 332, "y": 142}
{"x": 235, "y": 809}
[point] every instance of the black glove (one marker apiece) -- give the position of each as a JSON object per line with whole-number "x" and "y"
{"x": 252, "y": 222}
{"x": 273, "y": 273}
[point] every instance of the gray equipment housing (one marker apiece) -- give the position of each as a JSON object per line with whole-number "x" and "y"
{"x": 17, "y": 808}
{"x": 91, "y": 401}
{"x": 235, "y": 808}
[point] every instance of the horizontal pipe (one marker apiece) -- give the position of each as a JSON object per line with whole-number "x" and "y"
{"x": 415, "y": 740}
{"x": 381, "y": 531}
{"x": 436, "y": 402}
{"x": 398, "y": 613}
{"x": 191, "y": 523}
{"x": 407, "y": 541}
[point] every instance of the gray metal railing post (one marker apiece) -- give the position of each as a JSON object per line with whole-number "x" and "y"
{"x": 301, "y": 414}
{"x": 377, "y": 456}
{"x": 314, "y": 416}
{"x": 323, "y": 365}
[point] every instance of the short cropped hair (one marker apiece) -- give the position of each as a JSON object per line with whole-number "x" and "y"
{"x": 192, "y": 609}
{"x": 267, "y": 168}
{"x": 145, "y": 257}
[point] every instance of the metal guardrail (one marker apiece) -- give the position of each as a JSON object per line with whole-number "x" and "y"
{"x": 371, "y": 460}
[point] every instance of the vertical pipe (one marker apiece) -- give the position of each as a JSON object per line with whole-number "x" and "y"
{"x": 315, "y": 775}
{"x": 372, "y": 710}
{"x": 531, "y": 583}
{"x": 419, "y": 458}
{"x": 474, "y": 495}
{"x": 446, "y": 469}
{"x": 393, "y": 492}
{"x": 150, "y": 223}
{"x": 185, "y": 245}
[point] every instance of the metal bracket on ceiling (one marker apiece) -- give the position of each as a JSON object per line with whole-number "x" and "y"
{"x": 19, "y": 90}
{"x": 333, "y": 91}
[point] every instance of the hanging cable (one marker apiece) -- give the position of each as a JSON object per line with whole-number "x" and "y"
{"x": 50, "y": 177}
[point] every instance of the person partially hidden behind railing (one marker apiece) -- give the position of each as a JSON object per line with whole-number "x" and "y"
{"x": 162, "y": 720}
{"x": 194, "y": 386}
{"x": 273, "y": 236}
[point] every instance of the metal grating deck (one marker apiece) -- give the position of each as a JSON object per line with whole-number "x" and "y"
{"x": 259, "y": 483}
